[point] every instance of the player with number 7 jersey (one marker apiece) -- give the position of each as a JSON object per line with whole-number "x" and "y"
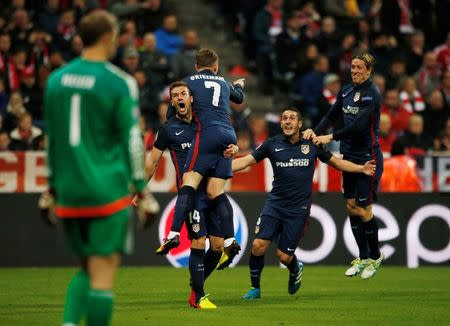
{"x": 94, "y": 148}
{"x": 211, "y": 95}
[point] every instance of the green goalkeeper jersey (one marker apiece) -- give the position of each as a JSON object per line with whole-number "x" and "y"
{"x": 95, "y": 153}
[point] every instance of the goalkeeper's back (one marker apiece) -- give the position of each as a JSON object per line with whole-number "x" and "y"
{"x": 94, "y": 145}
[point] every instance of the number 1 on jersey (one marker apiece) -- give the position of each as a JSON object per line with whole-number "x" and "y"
{"x": 216, "y": 93}
{"x": 74, "y": 133}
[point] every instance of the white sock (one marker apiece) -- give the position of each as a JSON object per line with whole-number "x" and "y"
{"x": 172, "y": 234}
{"x": 228, "y": 242}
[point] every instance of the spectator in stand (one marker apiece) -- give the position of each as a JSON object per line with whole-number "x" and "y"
{"x": 25, "y": 136}
{"x": 386, "y": 137}
{"x": 183, "y": 62}
{"x": 414, "y": 139}
{"x": 343, "y": 9}
{"x": 428, "y": 76}
{"x": 445, "y": 89}
{"x": 309, "y": 19}
{"x": 343, "y": 60}
{"x": 123, "y": 41}
{"x": 5, "y": 141}
{"x": 288, "y": 47}
{"x": 3, "y": 98}
{"x": 130, "y": 60}
{"x": 239, "y": 116}
{"x": 267, "y": 25}
{"x": 14, "y": 109}
{"x": 153, "y": 62}
{"x": 397, "y": 72}
{"x": 398, "y": 114}
{"x": 40, "y": 48}
{"x": 127, "y": 9}
{"x": 400, "y": 172}
{"x": 410, "y": 97}
{"x": 380, "y": 81}
{"x": 20, "y": 28}
{"x": 148, "y": 95}
{"x": 133, "y": 38}
{"x": 56, "y": 60}
{"x": 162, "y": 116}
{"x": 308, "y": 57}
{"x": 76, "y": 46}
{"x": 65, "y": 30}
{"x": 48, "y": 16}
{"x": 383, "y": 48}
{"x": 5, "y": 48}
{"x": 148, "y": 137}
{"x": 442, "y": 143}
{"x": 14, "y": 5}
{"x": 311, "y": 87}
{"x": 436, "y": 114}
{"x": 414, "y": 53}
{"x": 168, "y": 40}
{"x": 258, "y": 128}
{"x": 16, "y": 64}
{"x": 443, "y": 54}
{"x": 151, "y": 16}
{"x": 328, "y": 38}
{"x": 31, "y": 94}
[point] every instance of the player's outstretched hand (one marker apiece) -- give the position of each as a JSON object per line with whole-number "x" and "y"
{"x": 147, "y": 208}
{"x": 240, "y": 82}
{"x": 46, "y": 206}
{"x": 231, "y": 151}
{"x": 308, "y": 134}
{"x": 370, "y": 167}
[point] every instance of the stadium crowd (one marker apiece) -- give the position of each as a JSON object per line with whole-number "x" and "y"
{"x": 304, "y": 49}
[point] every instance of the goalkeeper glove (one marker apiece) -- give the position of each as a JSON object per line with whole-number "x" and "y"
{"x": 46, "y": 206}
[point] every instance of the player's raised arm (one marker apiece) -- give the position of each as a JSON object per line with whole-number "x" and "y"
{"x": 152, "y": 163}
{"x": 243, "y": 162}
{"x": 237, "y": 91}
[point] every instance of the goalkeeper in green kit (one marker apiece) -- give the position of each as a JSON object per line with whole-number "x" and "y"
{"x": 96, "y": 161}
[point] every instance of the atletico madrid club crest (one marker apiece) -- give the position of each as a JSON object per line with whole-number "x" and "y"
{"x": 356, "y": 97}
{"x": 196, "y": 228}
{"x": 304, "y": 149}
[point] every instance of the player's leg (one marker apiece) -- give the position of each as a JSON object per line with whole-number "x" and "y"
{"x": 102, "y": 271}
{"x": 360, "y": 262}
{"x": 108, "y": 238}
{"x": 75, "y": 306}
{"x": 184, "y": 205}
{"x": 266, "y": 229}
{"x": 292, "y": 230}
{"x": 366, "y": 194}
{"x": 221, "y": 206}
{"x": 196, "y": 270}
{"x": 256, "y": 265}
{"x": 212, "y": 256}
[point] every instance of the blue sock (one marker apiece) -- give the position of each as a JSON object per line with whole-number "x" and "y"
{"x": 211, "y": 260}
{"x": 222, "y": 207}
{"x": 371, "y": 232}
{"x": 196, "y": 269}
{"x": 256, "y": 265}
{"x": 184, "y": 205}
{"x": 360, "y": 236}
{"x": 293, "y": 265}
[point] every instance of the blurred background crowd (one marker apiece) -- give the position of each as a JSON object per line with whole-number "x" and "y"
{"x": 297, "y": 51}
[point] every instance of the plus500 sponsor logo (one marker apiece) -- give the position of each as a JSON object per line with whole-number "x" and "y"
{"x": 293, "y": 162}
{"x": 179, "y": 257}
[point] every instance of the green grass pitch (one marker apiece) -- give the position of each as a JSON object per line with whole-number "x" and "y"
{"x": 158, "y": 296}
